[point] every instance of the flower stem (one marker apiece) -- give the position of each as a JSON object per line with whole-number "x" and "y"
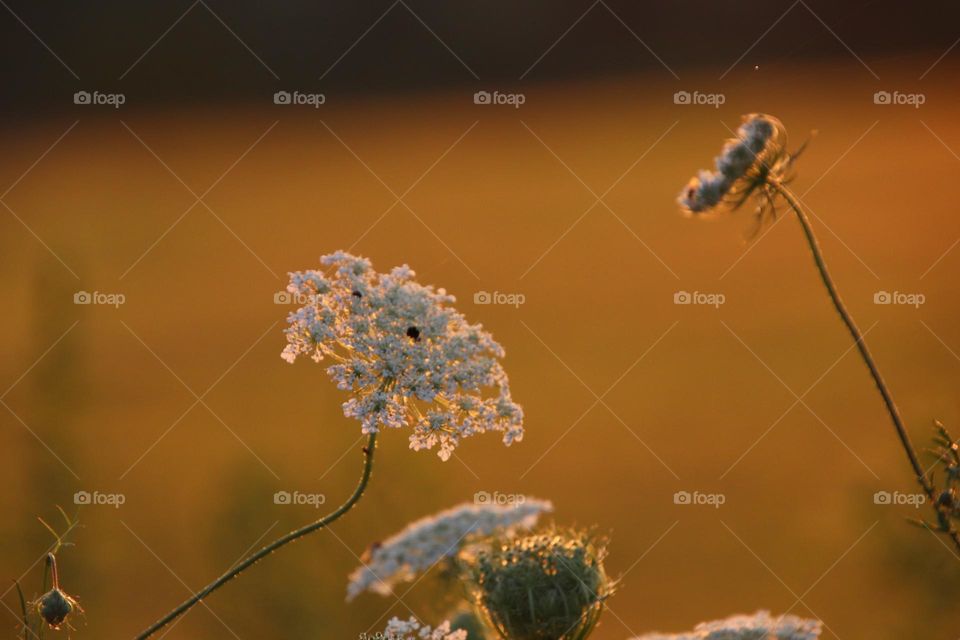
{"x": 864, "y": 352}
{"x": 248, "y": 562}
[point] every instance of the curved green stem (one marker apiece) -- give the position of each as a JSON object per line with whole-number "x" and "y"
{"x": 273, "y": 546}
{"x": 864, "y": 352}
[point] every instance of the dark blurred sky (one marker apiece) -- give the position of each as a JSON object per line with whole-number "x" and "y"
{"x": 210, "y": 50}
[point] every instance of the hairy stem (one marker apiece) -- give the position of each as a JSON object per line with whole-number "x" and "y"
{"x": 864, "y": 353}
{"x": 248, "y": 562}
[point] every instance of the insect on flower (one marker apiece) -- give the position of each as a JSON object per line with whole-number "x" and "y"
{"x": 406, "y": 356}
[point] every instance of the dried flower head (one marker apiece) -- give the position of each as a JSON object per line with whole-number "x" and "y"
{"x": 548, "y": 586}
{"x": 411, "y": 629}
{"x": 55, "y": 606}
{"x": 429, "y": 540}
{"x": 407, "y": 357}
{"x": 745, "y": 167}
{"x": 946, "y": 451}
{"x": 759, "y": 626}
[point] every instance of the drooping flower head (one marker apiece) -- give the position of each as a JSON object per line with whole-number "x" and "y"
{"x": 55, "y": 606}
{"x": 427, "y": 541}
{"x": 744, "y": 168}
{"x": 759, "y": 626}
{"x": 412, "y": 629}
{"x": 406, "y": 356}
{"x": 546, "y": 586}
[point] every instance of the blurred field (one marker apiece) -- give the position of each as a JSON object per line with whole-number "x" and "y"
{"x": 799, "y": 521}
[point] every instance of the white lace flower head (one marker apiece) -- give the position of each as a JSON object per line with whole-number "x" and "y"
{"x": 411, "y": 629}
{"x": 745, "y": 164}
{"x": 423, "y": 543}
{"x": 759, "y": 626}
{"x": 406, "y": 356}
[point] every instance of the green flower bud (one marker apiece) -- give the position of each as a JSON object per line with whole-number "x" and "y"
{"x": 548, "y": 586}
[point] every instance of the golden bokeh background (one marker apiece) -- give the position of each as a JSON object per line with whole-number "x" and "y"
{"x": 178, "y": 399}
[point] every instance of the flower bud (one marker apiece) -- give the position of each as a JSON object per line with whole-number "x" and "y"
{"x": 548, "y": 586}
{"x": 54, "y": 606}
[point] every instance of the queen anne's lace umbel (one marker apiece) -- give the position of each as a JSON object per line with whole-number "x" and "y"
{"x": 406, "y": 356}
{"x": 744, "y": 165}
{"x": 411, "y": 629}
{"x": 425, "y": 542}
{"x": 759, "y": 626}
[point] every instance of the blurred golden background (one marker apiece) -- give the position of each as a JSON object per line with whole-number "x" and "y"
{"x": 178, "y": 400}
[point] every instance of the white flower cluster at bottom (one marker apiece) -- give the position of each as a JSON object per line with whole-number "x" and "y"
{"x": 759, "y": 626}
{"x": 411, "y": 629}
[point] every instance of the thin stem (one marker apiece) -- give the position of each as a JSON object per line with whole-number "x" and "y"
{"x": 864, "y": 351}
{"x": 368, "y": 451}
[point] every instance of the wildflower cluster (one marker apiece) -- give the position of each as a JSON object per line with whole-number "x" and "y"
{"x": 429, "y": 540}
{"x": 546, "y": 586}
{"x": 759, "y": 626}
{"x": 407, "y": 357}
{"x": 745, "y": 165}
{"x": 412, "y": 629}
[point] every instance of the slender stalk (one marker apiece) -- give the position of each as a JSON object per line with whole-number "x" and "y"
{"x": 864, "y": 352}
{"x": 237, "y": 569}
